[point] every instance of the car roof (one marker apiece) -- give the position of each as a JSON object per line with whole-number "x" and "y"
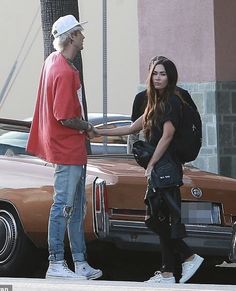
{"x": 98, "y": 118}
{"x": 17, "y": 125}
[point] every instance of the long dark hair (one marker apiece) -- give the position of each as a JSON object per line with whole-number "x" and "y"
{"x": 157, "y": 102}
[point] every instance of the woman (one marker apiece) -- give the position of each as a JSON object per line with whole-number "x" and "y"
{"x": 159, "y": 122}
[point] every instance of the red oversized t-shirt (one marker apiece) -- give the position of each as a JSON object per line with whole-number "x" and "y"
{"x": 57, "y": 100}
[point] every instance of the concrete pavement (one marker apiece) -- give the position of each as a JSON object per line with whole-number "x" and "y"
{"x": 26, "y": 284}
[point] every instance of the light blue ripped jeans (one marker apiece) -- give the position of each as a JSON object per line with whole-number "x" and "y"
{"x": 67, "y": 211}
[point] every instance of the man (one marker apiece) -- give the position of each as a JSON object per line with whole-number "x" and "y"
{"x": 58, "y": 135}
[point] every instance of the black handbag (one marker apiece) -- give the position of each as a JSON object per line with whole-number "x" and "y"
{"x": 143, "y": 152}
{"x": 166, "y": 173}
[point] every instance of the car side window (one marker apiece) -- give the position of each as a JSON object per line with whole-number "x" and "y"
{"x": 12, "y": 142}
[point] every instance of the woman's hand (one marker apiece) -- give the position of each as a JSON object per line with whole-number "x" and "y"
{"x": 148, "y": 172}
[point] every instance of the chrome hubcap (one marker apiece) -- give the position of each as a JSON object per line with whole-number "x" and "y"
{"x": 8, "y": 235}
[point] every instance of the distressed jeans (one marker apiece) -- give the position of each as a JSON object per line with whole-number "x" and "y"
{"x": 67, "y": 212}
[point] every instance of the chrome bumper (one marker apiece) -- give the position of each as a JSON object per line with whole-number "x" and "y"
{"x": 204, "y": 239}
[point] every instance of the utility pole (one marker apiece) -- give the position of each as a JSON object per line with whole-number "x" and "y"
{"x": 104, "y": 38}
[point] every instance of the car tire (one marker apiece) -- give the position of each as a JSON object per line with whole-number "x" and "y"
{"x": 17, "y": 252}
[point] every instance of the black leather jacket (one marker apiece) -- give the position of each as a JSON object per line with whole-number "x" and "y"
{"x": 164, "y": 212}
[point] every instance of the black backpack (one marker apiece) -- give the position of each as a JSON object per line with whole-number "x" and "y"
{"x": 188, "y": 138}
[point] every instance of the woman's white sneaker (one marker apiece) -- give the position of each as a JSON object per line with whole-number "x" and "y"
{"x": 60, "y": 270}
{"x": 83, "y": 269}
{"x": 159, "y": 279}
{"x": 189, "y": 268}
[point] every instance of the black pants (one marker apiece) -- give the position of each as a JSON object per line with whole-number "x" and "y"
{"x": 166, "y": 203}
{"x": 172, "y": 249}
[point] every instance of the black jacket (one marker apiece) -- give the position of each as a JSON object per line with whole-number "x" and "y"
{"x": 164, "y": 212}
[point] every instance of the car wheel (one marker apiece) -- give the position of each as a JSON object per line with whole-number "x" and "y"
{"x": 16, "y": 250}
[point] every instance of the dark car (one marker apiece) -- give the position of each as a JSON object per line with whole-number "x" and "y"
{"x": 14, "y": 142}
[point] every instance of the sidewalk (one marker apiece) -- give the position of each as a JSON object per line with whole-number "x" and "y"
{"x": 26, "y": 284}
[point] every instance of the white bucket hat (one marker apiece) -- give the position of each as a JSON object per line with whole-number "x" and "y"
{"x": 65, "y": 23}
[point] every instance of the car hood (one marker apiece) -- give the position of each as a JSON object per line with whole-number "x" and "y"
{"x": 120, "y": 167}
{"x": 16, "y": 172}
{"x": 27, "y": 171}
{"x": 117, "y": 165}
{"x": 198, "y": 178}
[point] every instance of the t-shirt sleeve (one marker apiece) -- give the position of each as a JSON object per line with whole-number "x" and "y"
{"x": 173, "y": 111}
{"x": 139, "y": 105}
{"x": 135, "y": 110}
{"x": 66, "y": 103}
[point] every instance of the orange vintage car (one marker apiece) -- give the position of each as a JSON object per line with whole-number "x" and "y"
{"x": 115, "y": 189}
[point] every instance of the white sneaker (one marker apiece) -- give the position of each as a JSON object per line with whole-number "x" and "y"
{"x": 158, "y": 278}
{"x": 83, "y": 269}
{"x": 189, "y": 268}
{"x": 60, "y": 270}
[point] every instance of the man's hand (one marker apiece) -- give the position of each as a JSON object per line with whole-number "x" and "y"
{"x": 96, "y": 131}
{"x": 91, "y": 134}
{"x": 90, "y": 131}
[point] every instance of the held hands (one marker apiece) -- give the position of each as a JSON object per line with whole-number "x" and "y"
{"x": 92, "y": 132}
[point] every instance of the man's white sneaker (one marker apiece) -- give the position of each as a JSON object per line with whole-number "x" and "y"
{"x": 60, "y": 270}
{"x": 83, "y": 269}
{"x": 189, "y": 268}
{"x": 158, "y": 278}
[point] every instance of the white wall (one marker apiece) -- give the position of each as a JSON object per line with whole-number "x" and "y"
{"x": 123, "y": 55}
{"x": 16, "y": 18}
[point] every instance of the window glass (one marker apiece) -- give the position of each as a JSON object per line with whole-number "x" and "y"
{"x": 12, "y": 142}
